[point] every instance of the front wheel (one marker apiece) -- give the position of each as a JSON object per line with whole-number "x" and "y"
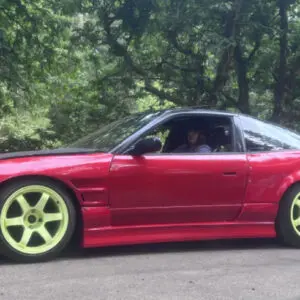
{"x": 37, "y": 220}
{"x": 288, "y": 219}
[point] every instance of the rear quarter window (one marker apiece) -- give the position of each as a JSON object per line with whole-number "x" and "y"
{"x": 263, "y": 136}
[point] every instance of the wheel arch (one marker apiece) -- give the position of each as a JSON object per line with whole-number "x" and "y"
{"x": 54, "y": 180}
{"x": 285, "y": 230}
{"x": 287, "y": 184}
{"x": 289, "y": 188}
{"x": 284, "y": 189}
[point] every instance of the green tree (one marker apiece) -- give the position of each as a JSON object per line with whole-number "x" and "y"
{"x": 67, "y": 67}
{"x": 229, "y": 54}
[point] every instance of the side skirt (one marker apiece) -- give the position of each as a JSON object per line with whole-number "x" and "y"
{"x": 123, "y": 235}
{"x": 255, "y": 221}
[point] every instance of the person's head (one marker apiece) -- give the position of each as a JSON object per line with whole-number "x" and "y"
{"x": 196, "y": 137}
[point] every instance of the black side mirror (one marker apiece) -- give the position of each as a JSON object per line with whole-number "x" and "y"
{"x": 148, "y": 145}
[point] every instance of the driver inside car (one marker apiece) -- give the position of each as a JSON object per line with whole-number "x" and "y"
{"x": 196, "y": 142}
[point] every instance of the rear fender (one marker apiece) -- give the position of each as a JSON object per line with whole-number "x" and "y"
{"x": 286, "y": 184}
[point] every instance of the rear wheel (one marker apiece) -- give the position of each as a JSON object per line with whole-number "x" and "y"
{"x": 37, "y": 220}
{"x": 288, "y": 220}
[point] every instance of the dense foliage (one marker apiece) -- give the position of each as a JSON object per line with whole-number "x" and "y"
{"x": 66, "y": 67}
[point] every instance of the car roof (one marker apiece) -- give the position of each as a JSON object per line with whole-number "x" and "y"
{"x": 196, "y": 110}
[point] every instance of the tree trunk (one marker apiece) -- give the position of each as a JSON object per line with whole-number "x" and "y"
{"x": 243, "y": 83}
{"x": 223, "y": 68}
{"x": 283, "y": 41}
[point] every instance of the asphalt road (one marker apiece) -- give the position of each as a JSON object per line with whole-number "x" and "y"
{"x": 256, "y": 270}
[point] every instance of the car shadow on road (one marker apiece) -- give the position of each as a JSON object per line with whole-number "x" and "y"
{"x": 199, "y": 246}
{"x": 74, "y": 253}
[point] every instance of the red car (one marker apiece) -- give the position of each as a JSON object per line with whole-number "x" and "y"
{"x": 142, "y": 180}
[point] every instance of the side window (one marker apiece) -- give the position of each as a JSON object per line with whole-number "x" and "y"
{"x": 162, "y": 132}
{"x": 195, "y": 134}
{"x": 262, "y": 136}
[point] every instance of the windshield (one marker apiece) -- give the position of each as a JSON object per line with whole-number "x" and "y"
{"x": 111, "y": 135}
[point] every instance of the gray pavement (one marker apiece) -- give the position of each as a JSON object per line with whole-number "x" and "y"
{"x": 257, "y": 269}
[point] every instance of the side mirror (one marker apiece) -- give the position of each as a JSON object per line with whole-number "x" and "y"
{"x": 148, "y": 145}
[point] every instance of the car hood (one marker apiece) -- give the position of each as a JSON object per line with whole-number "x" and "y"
{"x": 55, "y": 152}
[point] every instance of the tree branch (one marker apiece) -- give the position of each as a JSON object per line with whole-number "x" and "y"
{"x": 172, "y": 38}
{"x": 230, "y": 98}
{"x": 123, "y": 52}
{"x": 188, "y": 70}
{"x": 161, "y": 94}
{"x": 254, "y": 50}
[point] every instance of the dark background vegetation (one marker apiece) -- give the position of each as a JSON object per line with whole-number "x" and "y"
{"x": 68, "y": 66}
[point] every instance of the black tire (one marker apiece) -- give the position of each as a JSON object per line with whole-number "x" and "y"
{"x": 284, "y": 227}
{"x": 7, "y": 250}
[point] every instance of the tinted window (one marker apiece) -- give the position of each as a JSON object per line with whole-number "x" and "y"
{"x": 263, "y": 136}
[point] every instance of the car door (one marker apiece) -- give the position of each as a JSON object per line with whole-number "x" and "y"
{"x": 176, "y": 188}
{"x": 157, "y": 189}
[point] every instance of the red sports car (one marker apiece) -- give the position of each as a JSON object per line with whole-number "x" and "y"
{"x": 172, "y": 175}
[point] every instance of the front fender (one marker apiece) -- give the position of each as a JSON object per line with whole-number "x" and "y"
{"x": 85, "y": 174}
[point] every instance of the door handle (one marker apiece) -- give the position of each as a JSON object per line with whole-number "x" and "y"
{"x": 229, "y": 173}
